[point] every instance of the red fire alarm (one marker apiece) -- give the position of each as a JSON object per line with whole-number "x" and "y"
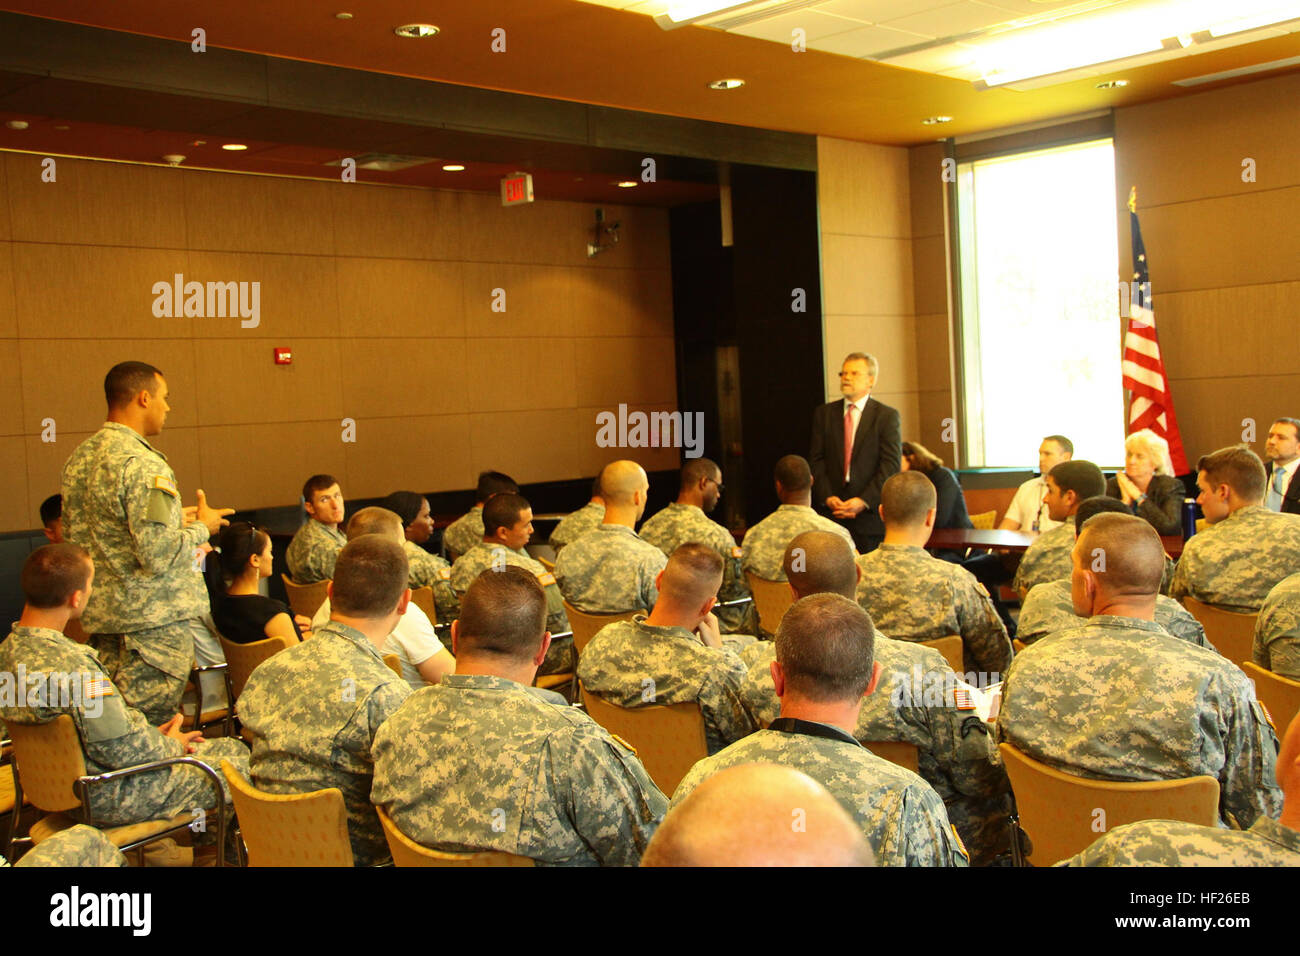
{"x": 283, "y": 356}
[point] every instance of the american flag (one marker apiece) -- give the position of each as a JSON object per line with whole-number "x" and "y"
{"x": 1151, "y": 404}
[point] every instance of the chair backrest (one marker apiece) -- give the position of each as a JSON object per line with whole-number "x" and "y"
{"x": 423, "y": 599}
{"x": 1061, "y": 812}
{"x": 1018, "y": 645}
{"x": 951, "y": 649}
{"x": 394, "y": 663}
{"x": 49, "y": 759}
{"x": 669, "y": 738}
{"x": 1279, "y": 694}
{"x": 1231, "y": 632}
{"x": 984, "y": 520}
{"x": 585, "y": 626}
{"x": 771, "y": 598}
{"x": 406, "y": 852}
{"x": 242, "y": 659}
{"x": 292, "y": 829}
{"x": 305, "y": 599}
{"x": 905, "y": 755}
{"x": 547, "y": 563}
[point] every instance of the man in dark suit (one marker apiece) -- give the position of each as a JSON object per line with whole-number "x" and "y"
{"x": 1283, "y": 453}
{"x": 855, "y": 448}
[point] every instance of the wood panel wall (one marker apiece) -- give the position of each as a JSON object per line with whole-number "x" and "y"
{"x": 384, "y": 295}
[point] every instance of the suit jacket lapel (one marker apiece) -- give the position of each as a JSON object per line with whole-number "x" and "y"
{"x": 866, "y": 421}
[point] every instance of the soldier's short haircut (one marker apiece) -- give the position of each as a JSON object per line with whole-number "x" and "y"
{"x": 504, "y": 613}
{"x": 793, "y": 473}
{"x": 696, "y": 469}
{"x": 375, "y": 520}
{"x": 1237, "y": 467}
{"x": 826, "y": 646}
{"x": 52, "y": 573}
{"x": 827, "y": 565}
{"x": 503, "y": 511}
{"x": 493, "y": 483}
{"x": 1293, "y": 422}
{"x": 1067, "y": 446}
{"x": 692, "y": 574}
{"x": 317, "y": 483}
{"x": 369, "y": 576}
{"x": 51, "y": 509}
{"x": 872, "y": 365}
{"x": 1124, "y": 551}
{"x": 126, "y": 380}
{"x": 1098, "y": 504}
{"x": 1082, "y": 477}
{"x": 906, "y": 497}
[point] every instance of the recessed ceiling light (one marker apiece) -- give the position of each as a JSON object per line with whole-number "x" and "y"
{"x": 453, "y": 168}
{"x": 234, "y": 147}
{"x": 63, "y": 127}
{"x": 17, "y": 124}
{"x": 730, "y": 84}
{"x": 342, "y": 16}
{"x": 417, "y": 31}
{"x": 1112, "y": 84}
{"x": 199, "y": 142}
{"x": 935, "y": 120}
{"x": 626, "y": 184}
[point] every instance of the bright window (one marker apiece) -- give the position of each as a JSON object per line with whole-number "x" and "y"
{"x": 1041, "y": 333}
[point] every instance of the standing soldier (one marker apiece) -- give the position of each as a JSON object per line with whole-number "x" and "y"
{"x": 122, "y": 504}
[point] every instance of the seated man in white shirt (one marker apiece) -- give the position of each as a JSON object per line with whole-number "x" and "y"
{"x": 1028, "y": 510}
{"x": 423, "y": 658}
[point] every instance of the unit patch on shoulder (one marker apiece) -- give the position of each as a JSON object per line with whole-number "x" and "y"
{"x": 163, "y": 483}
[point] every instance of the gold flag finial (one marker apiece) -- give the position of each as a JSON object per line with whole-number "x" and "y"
{"x": 1133, "y": 199}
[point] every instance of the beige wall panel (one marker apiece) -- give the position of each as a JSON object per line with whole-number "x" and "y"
{"x": 611, "y": 371}
{"x": 1210, "y": 410}
{"x": 890, "y": 338}
{"x": 382, "y": 378}
{"x": 396, "y": 222}
{"x": 224, "y": 211}
{"x": 181, "y": 446}
{"x": 596, "y": 457}
{"x": 8, "y": 307}
{"x": 297, "y": 295}
{"x": 622, "y": 302}
{"x": 544, "y": 233}
{"x": 499, "y": 375}
{"x": 532, "y": 445}
{"x": 6, "y": 229}
{"x": 264, "y": 465}
{"x": 240, "y": 384}
{"x": 643, "y": 242}
{"x": 44, "y": 472}
{"x": 1232, "y": 331}
{"x": 17, "y": 512}
{"x": 934, "y": 409}
{"x": 414, "y": 453}
{"x": 88, "y": 200}
{"x": 909, "y": 413}
{"x": 927, "y": 189}
{"x": 63, "y": 379}
{"x": 862, "y": 189}
{"x": 400, "y": 297}
{"x": 78, "y": 291}
{"x": 930, "y": 280}
{"x": 933, "y": 369}
{"x": 11, "y": 392}
{"x": 538, "y": 300}
{"x": 866, "y": 276}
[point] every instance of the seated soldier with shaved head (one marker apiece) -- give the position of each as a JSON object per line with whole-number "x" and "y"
{"x": 763, "y": 549}
{"x": 675, "y": 654}
{"x": 1118, "y": 698}
{"x": 1048, "y": 558}
{"x": 916, "y": 703}
{"x": 611, "y": 569}
{"x": 914, "y": 596}
{"x": 825, "y": 665}
{"x": 758, "y": 814}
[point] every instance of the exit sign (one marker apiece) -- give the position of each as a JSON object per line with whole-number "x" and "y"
{"x": 516, "y": 189}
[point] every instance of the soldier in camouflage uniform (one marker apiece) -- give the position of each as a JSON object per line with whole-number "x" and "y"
{"x": 427, "y": 570}
{"x": 57, "y": 580}
{"x": 480, "y": 763}
{"x": 915, "y": 703}
{"x": 824, "y": 665}
{"x": 1118, "y": 698}
{"x": 1069, "y": 484}
{"x": 511, "y": 519}
{"x": 1245, "y": 549}
{"x": 675, "y": 654}
{"x": 76, "y": 846}
{"x": 467, "y": 530}
{"x": 573, "y": 526}
{"x": 686, "y": 520}
{"x": 313, "y": 709}
{"x": 915, "y": 596}
{"x": 316, "y": 545}
{"x": 611, "y": 569}
{"x": 1277, "y": 632}
{"x": 121, "y": 503}
{"x": 762, "y": 552}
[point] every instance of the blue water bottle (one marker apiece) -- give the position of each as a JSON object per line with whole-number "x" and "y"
{"x": 1189, "y": 517}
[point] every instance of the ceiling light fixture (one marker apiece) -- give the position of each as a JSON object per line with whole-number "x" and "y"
{"x": 725, "y": 13}
{"x": 1112, "y": 84}
{"x": 16, "y": 124}
{"x": 342, "y": 16}
{"x": 453, "y": 168}
{"x": 728, "y": 84}
{"x": 416, "y": 31}
{"x": 935, "y": 120}
{"x": 234, "y": 147}
{"x": 626, "y": 184}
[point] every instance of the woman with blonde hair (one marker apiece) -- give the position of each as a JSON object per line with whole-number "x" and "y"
{"x": 1147, "y": 483}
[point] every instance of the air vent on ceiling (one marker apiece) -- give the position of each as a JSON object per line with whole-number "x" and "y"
{"x": 386, "y": 162}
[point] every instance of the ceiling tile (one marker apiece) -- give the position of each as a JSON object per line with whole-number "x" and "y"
{"x": 814, "y": 25}
{"x": 951, "y": 20}
{"x": 867, "y": 41}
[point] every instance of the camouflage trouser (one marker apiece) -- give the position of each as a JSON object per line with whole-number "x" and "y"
{"x": 76, "y": 846}
{"x": 560, "y": 659}
{"x": 740, "y": 619}
{"x": 981, "y": 823}
{"x": 151, "y": 667}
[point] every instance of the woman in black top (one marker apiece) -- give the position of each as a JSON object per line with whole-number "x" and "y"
{"x": 242, "y": 614}
{"x": 950, "y": 512}
{"x": 1147, "y": 483}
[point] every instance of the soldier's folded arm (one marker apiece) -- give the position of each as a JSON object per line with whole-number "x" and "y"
{"x": 158, "y": 544}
